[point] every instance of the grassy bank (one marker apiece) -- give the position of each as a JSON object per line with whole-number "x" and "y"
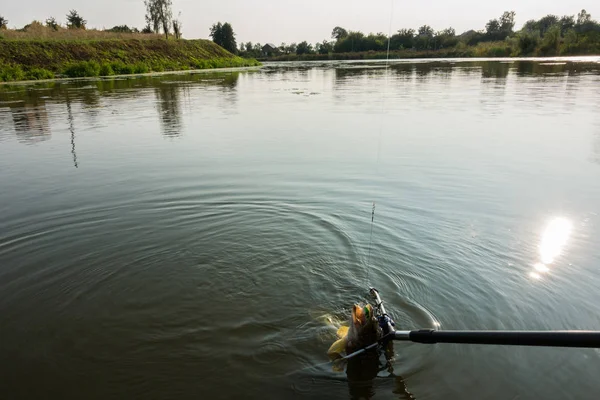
{"x": 46, "y": 59}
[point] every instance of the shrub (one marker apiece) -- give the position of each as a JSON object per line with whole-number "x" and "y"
{"x": 120, "y": 68}
{"x": 140, "y": 68}
{"x": 106, "y": 70}
{"x": 82, "y": 69}
{"x": 38, "y": 74}
{"x": 11, "y": 73}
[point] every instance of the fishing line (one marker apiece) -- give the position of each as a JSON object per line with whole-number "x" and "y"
{"x": 383, "y": 95}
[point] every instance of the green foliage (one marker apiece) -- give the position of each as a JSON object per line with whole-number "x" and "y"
{"x": 11, "y": 73}
{"x": 304, "y": 48}
{"x": 339, "y": 33}
{"x": 140, "y": 68}
{"x": 82, "y": 69}
{"x": 75, "y": 21}
{"x": 223, "y": 35}
{"x": 551, "y": 42}
{"x": 3, "y": 22}
{"x": 106, "y": 70}
{"x": 42, "y": 59}
{"x": 159, "y": 15}
{"x": 122, "y": 29}
{"x": 35, "y": 74}
{"x": 52, "y": 23}
{"x": 121, "y": 68}
{"x": 527, "y": 42}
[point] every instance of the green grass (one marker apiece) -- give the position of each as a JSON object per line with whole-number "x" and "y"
{"x": 45, "y": 59}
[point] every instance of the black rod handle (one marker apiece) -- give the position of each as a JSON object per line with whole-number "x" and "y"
{"x": 587, "y": 339}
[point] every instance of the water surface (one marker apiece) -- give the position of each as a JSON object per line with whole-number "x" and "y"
{"x": 188, "y": 236}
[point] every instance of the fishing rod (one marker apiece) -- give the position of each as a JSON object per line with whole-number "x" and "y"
{"x": 571, "y": 338}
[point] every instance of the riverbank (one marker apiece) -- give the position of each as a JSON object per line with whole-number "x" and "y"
{"x": 482, "y": 50}
{"x": 182, "y": 72}
{"x": 22, "y": 60}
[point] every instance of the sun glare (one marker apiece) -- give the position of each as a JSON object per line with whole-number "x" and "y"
{"x": 553, "y": 241}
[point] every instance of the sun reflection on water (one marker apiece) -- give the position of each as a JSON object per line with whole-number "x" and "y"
{"x": 553, "y": 241}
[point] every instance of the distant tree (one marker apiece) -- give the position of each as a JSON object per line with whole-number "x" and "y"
{"x": 404, "y": 39}
{"x": 507, "y": 22}
{"x": 304, "y": 48}
{"x": 216, "y": 33}
{"x": 159, "y": 14}
{"x": 248, "y": 46}
{"x": 445, "y": 39}
{"x": 229, "y": 42}
{"x": 3, "y": 22}
{"x": 147, "y": 29}
{"x": 492, "y": 27}
{"x": 546, "y": 22}
{"x": 75, "y": 21}
{"x": 177, "y": 25}
{"x": 121, "y": 29}
{"x": 567, "y": 22}
{"x": 425, "y": 30}
{"x": 324, "y": 47}
{"x": 282, "y": 47}
{"x": 291, "y": 48}
{"x": 424, "y": 39}
{"x": 52, "y": 23}
{"x": 339, "y": 33}
{"x": 551, "y": 41}
{"x": 530, "y": 26}
{"x": 257, "y": 48}
{"x": 152, "y": 15}
{"x": 583, "y": 17}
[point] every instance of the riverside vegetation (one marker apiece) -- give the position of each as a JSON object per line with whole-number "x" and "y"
{"x": 549, "y": 36}
{"x": 49, "y": 50}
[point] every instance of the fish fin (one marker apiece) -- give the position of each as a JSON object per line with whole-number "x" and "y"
{"x": 342, "y": 331}
{"x": 337, "y": 348}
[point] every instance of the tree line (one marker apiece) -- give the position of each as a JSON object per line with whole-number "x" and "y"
{"x": 549, "y": 35}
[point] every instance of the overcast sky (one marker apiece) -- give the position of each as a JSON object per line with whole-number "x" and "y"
{"x": 289, "y": 21}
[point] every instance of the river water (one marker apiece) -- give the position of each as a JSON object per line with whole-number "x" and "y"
{"x": 192, "y": 236}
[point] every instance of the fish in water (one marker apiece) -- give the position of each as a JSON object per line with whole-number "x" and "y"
{"x": 363, "y": 330}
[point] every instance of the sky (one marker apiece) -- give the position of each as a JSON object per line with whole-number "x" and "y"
{"x": 277, "y": 21}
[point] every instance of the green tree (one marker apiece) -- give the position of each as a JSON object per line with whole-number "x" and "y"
{"x": 52, "y": 23}
{"x": 551, "y": 41}
{"x": 152, "y": 15}
{"x": 339, "y": 33}
{"x": 324, "y": 47}
{"x": 229, "y": 42}
{"x": 216, "y": 33}
{"x": 75, "y": 21}
{"x": 583, "y": 17}
{"x": 527, "y": 42}
{"x": 223, "y": 35}
{"x": 291, "y": 48}
{"x": 304, "y": 48}
{"x": 445, "y": 39}
{"x": 403, "y": 39}
{"x": 567, "y": 22}
{"x": 546, "y": 23}
{"x": 177, "y": 26}
{"x": 507, "y": 22}
{"x": 424, "y": 39}
{"x": 3, "y": 22}
{"x": 159, "y": 14}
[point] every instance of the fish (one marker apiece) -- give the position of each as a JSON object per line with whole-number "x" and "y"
{"x": 362, "y": 331}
